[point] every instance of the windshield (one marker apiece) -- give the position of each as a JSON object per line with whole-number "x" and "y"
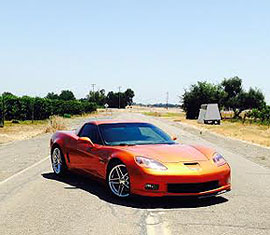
{"x": 133, "y": 134}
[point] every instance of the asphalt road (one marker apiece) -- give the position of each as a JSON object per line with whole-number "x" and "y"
{"x": 34, "y": 201}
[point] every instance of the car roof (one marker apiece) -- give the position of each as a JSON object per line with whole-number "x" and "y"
{"x": 111, "y": 121}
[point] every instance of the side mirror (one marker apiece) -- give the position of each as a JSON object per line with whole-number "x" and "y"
{"x": 85, "y": 140}
{"x": 174, "y": 138}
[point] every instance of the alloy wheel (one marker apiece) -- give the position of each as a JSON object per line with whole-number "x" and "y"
{"x": 119, "y": 181}
{"x": 56, "y": 161}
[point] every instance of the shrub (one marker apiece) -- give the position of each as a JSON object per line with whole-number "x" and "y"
{"x": 263, "y": 116}
{"x": 66, "y": 115}
{"x": 28, "y": 108}
{"x": 56, "y": 123}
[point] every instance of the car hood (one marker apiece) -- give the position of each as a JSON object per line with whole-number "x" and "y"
{"x": 168, "y": 153}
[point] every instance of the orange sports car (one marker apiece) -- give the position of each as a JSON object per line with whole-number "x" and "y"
{"x": 134, "y": 157}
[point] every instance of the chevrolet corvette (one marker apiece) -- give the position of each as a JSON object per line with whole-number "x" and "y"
{"x": 133, "y": 157}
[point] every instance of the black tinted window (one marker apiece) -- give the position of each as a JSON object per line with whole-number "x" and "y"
{"x": 91, "y": 131}
{"x": 133, "y": 133}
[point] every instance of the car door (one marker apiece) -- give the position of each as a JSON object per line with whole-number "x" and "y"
{"x": 87, "y": 154}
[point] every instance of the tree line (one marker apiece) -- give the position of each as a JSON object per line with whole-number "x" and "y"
{"x": 13, "y": 107}
{"x": 113, "y": 99}
{"x": 230, "y": 95}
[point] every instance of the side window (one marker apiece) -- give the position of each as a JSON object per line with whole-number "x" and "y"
{"x": 91, "y": 131}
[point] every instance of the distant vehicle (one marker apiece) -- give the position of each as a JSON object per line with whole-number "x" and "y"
{"x": 209, "y": 114}
{"x": 139, "y": 158}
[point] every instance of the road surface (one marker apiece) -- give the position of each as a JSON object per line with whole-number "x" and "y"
{"x": 34, "y": 201}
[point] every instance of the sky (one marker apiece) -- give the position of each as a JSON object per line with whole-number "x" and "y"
{"x": 150, "y": 46}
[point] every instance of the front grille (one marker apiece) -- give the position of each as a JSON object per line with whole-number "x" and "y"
{"x": 192, "y": 187}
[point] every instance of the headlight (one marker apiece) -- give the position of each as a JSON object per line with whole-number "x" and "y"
{"x": 149, "y": 163}
{"x": 219, "y": 160}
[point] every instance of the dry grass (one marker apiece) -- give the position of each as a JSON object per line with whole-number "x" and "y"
{"x": 179, "y": 115}
{"x": 24, "y": 130}
{"x": 56, "y": 123}
{"x": 254, "y": 133}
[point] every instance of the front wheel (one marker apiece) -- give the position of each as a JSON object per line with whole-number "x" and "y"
{"x": 58, "y": 161}
{"x": 118, "y": 180}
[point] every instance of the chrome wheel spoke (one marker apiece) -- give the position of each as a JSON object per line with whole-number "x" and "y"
{"x": 115, "y": 179}
{"x": 125, "y": 176}
{"x": 126, "y": 185}
{"x": 121, "y": 189}
{"x": 119, "y": 172}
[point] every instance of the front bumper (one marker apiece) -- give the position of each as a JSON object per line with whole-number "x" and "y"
{"x": 221, "y": 175}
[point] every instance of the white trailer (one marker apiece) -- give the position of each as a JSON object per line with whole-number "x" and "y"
{"x": 209, "y": 114}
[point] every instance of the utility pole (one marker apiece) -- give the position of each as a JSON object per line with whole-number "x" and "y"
{"x": 119, "y": 97}
{"x": 93, "y": 87}
{"x": 167, "y": 100}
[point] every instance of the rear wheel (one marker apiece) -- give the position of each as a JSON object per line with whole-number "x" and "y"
{"x": 118, "y": 180}
{"x": 58, "y": 161}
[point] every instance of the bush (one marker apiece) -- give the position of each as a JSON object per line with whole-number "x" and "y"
{"x": 262, "y": 116}
{"x": 66, "y": 115}
{"x": 28, "y": 108}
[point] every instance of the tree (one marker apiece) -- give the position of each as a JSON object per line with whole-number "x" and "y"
{"x": 112, "y": 99}
{"x": 97, "y": 97}
{"x": 66, "y": 95}
{"x": 126, "y": 98}
{"x": 238, "y": 99}
{"x": 233, "y": 94}
{"x": 52, "y": 96}
{"x": 232, "y": 86}
{"x": 253, "y": 99}
{"x": 7, "y": 93}
{"x": 129, "y": 94}
{"x": 198, "y": 94}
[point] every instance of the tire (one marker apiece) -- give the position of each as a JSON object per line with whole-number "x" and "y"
{"x": 118, "y": 180}
{"x": 58, "y": 161}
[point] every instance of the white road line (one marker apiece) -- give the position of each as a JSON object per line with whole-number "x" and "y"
{"x": 24, "y": 170}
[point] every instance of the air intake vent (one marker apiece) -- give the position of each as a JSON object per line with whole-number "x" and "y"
{"x": 192, "y": 187}
{"x": 191, "y": 163}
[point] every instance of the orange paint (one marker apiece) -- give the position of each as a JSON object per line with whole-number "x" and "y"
{"x": 188, "y": 166}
